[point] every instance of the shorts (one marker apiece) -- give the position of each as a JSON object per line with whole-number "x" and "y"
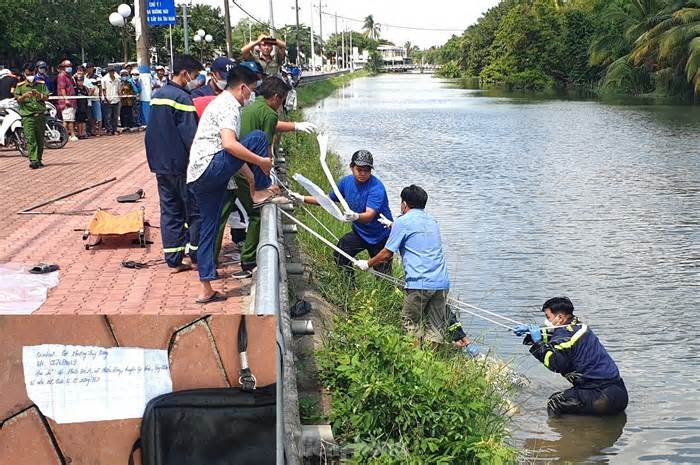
{"x": 68, "y": 114}
{"x": 81, "y": 116}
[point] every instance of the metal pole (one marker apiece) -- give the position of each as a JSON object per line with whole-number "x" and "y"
{"x": 313, "y": 54}
{"x": 352, "y": 54}
{"x": 170, "y": 27}
{"x": 296, "y": 8}
{"x": 342, "y": 47}
{"x": 272, "y": 21}
{"x": 142, "y": 45}
{"x": 184, "y": 28}
{"x": 320, "y": 30}
{"x": 227, "y": 25}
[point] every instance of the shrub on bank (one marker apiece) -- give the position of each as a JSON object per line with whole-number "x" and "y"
{"x": 393, "y": 402}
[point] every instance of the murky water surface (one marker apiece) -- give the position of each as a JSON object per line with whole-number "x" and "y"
{"x": 543, "y": 197}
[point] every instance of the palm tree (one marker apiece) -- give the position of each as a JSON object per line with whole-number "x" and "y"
{"x": 371, "y": 28}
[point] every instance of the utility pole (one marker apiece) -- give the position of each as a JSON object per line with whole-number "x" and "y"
{"x": 184, "y": 28}
{"x": 313, "y": 56}
{"x": 337, "y": 50}
{"x": 296, "y": 10}
{"x": 342, "y": 41}
{"x": 227, "y": 25}
{"x": 142, "y": 46}
{"x": 272, "y": 21}
{"x": 320, "y": 29}
{"x": 352, "y": 53}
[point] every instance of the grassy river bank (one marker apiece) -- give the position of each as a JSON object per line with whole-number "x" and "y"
{"x": 391, "y": 401}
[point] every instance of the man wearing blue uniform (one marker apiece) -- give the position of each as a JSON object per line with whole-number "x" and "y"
{"x": 569, "y": 347}
{"x": 171, "y": 129}
{"x": 217, "y": 81}
{"x": 415, "y": 235}
{"x": 366, "y": 197}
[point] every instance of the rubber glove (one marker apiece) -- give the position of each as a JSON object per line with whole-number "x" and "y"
{"x": 472, "y": 349}
{"x": 351, "y": 216}
{"x": 305, "y": 127}
{"x": 362, "y": 264}
{"x": 535, "y": 333}
{"x": 521, "y": 330}
{"x": 385, "y": 221}
{"x": 296, "y": 197}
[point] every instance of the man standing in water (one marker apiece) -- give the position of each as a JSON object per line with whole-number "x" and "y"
{"x": 569, "y": 347}
{"x": 416, "y": 236}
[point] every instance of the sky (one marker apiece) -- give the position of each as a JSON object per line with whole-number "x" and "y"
{"x": 451, "y": 15}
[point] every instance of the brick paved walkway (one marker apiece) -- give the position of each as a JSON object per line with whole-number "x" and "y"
{"x": 202, "y": 353}
{"x": 94, "y": 281}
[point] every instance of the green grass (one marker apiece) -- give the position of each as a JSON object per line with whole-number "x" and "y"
{"x": 393, "y": 401}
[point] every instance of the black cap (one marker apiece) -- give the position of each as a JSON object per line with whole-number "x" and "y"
{"x": 362, "y": 158}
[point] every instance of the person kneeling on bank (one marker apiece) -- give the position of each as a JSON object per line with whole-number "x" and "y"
{"x": 569, "y": 347}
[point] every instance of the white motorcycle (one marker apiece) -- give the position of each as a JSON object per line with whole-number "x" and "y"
{"x": 12, "y": 133}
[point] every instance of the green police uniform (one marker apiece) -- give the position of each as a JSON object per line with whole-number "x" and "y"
{"x": 32, "y": 109}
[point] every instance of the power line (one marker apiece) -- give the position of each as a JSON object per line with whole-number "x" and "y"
{"x": 396, "y": 26}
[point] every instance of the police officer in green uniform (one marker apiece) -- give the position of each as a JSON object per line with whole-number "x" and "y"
{"x": 31, "y": 95}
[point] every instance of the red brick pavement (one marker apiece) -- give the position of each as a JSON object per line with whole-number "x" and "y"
{"x": 94, "y": 281}
{"x": 201, "y": 354}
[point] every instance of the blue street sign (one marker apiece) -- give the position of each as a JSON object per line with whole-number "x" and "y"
{"x": 160, "y": 12}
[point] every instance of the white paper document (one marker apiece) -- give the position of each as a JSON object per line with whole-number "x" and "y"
{"x": 73, "y": 384}
{"x": 319, "y": 195}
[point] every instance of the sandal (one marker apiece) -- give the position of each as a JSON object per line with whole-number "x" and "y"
{"x": 43, "y": 268}
{"x": 130, "y": 198}
{"x": 215, "y": 297}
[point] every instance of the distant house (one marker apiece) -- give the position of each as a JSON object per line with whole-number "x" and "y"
{"x": 393, "y": 55}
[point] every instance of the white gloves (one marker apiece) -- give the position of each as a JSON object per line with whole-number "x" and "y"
{"x": 351, "y": 216}
{"x": 305, "y": 127}
{"x": 385, "y": 221}
{"x": 362, "y": 264}
{"x": 296, "y": 197}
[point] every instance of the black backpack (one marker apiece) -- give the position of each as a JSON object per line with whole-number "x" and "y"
{"x": 211, "y": 426}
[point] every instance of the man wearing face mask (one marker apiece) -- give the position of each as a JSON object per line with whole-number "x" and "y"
{"x": 415, "y": 235}
{"x": 569, "y": 347}
{"x": 171, "y": 129}
{"x": 217, "y": 81}
{"x": 31, "y": 96}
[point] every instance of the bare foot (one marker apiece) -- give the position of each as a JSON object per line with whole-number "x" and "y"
{"x": 181, "y": 268}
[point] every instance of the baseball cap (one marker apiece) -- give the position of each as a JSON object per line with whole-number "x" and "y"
{"x": 222, "y": 65}
{"x": 362, "y": 158}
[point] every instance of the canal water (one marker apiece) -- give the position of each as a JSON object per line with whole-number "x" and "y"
{"x": 539, "y": 197}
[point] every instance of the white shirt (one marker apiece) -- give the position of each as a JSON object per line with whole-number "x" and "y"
{"x": 224, "y": 112}
{"x": 111, "y": 88}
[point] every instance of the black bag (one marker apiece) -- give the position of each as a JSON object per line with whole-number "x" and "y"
{"x": 211, "y": 426}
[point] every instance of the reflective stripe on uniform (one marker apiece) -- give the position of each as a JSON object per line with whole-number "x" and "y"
{"x": 547, "y": 356}
{"x": 189, "y": 247}
{"x": 173, "y": 249}
{"x": 570, "y": 343}
{"x": 454, "y": 327}
{"x": 172, "y": 103}
{"x": 545, "y": 336}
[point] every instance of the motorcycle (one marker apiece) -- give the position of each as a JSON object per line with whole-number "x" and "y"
{"x": 12, "y": 133}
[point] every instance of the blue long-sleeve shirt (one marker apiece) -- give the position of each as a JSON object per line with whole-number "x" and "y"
{"x": 171, "y": 128}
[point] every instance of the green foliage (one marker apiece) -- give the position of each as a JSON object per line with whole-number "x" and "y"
{"x": 450, "y": 70}
{"x": 374, "y": 62}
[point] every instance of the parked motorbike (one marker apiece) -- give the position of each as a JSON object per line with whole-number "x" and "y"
{"x": 12, "y": 133}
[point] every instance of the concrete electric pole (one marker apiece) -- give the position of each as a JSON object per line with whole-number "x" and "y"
{"x": 227, "y": 25}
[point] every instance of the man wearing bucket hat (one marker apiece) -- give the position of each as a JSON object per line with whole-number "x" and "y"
{"x": 366, "y": 196}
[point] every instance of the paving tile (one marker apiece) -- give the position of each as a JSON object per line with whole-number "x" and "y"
{"x": 194, "y": 361}
{"x": 18, "y": 331}
{"x": 149, "y": 331}
{"x": 26, "y": 429}
{"x": 96, "y": 273}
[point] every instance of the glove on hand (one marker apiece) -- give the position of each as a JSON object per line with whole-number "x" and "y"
{"x": 472, "y": 349}
{"x": 351, "y": 216}
{"x": 521, "y": 330}
{"x": 362, "y": 264}
{"x": 305, "y": 127}
{"x": 385, "y": 221}
{"x": 296, "y": 197}
{"x": 535, "y": 333}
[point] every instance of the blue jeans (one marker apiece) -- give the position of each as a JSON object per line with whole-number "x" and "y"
{"x": 210, "y": 191}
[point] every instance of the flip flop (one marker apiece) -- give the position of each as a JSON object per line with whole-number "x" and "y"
{"x": 130, "y": 198}
{"x": 43, "y": 268}
{"x": 215, "y": 297}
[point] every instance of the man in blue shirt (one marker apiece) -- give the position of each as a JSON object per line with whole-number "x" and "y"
{"x": 569, "y": 347}
{"x": 366, "y": 197}
{"x": 416, "y": 236}
{"x": 217, "y": 81}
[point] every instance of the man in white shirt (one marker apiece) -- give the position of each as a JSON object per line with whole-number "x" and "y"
{"x": 216, "y": 155}
{"x": 110, "y": 100}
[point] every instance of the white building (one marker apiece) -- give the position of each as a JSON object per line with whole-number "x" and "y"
{"x": 391, "y": 54}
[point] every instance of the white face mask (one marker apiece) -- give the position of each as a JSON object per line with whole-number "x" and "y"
{"x": 30, "y": 79}
{"x": 250, "y": 98}
{"x": 548, "y": 323}
{"x": 221, "y": 84}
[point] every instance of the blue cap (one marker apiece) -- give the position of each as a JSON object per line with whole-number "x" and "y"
{"x": 223, "y": 65}
{"x": 254, "y": 66}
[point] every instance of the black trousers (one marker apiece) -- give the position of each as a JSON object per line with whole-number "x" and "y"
{"x": 352, "y": 244}
{"x": 598, "y": 398}
{"x": 179, "y": 219}
{"x": 110, "y": 116}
